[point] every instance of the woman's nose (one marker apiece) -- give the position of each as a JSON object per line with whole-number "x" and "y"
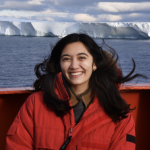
{"x": 74, "y": 64}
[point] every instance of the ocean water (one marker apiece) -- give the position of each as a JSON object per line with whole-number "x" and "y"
{"x": 19, "y": 55}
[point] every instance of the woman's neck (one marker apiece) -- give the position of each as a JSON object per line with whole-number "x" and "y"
{"x": 79, "y": 89}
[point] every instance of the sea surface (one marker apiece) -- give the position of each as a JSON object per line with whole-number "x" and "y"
{"x": 20, "y": 54}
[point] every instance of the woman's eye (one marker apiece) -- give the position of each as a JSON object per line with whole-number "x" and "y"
{"x": 82, "y": 58}
{"x": 66, "y": 59}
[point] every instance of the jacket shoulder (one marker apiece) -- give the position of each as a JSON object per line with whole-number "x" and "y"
{"x": 128, "y": 122}
{"x": 36, "y": 97}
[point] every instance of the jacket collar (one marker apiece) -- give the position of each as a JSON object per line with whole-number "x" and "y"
{"x": 61, "y": 88}
{"x": 86, "y": 97}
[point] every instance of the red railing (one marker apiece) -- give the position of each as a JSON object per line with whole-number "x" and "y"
{"x": 138, "y": 95}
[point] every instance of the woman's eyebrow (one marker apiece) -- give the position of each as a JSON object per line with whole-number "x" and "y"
{"x": 82, "y": 54}
{"x": 64, "y": 55}
{"x": 77, "y": 54}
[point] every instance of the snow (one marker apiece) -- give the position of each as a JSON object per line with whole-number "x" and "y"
{"x": 137, "y": 30}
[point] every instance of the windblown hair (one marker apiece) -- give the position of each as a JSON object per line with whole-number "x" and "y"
{"x": 104, "y": 80}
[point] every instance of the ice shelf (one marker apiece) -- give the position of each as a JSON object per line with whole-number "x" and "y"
{"x": 132, "y": 30}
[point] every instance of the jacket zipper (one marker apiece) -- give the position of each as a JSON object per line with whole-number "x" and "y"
{"x": 68, "y": 140}
{"x": 70, "y": 133}
{"x": 71, "y": 130}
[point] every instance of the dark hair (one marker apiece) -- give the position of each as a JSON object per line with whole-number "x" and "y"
{"x": 104, "y": 80}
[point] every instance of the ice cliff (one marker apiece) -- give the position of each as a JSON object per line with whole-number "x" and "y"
{"x": 135, "y": 30}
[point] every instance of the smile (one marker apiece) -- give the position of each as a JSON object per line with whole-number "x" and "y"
{"x": 75, "y": 73}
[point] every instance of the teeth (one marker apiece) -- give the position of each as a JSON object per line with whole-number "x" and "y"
{"x": 76, "y": 73}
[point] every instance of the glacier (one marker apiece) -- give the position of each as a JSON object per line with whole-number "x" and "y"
{"x": 128, "y": 30}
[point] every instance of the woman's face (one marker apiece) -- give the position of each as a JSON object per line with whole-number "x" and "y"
{"x": 77, "y": 64}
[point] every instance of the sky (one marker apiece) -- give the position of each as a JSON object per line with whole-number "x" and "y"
{"x": 76, "y": 10}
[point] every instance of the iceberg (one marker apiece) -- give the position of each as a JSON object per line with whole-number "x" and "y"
{"x": 131, "y": 30}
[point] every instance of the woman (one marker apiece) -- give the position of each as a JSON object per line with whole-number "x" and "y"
{"x": 77, "y": 104}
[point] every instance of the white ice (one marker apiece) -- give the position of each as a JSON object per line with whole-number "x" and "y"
{"x": 96, "y": 30}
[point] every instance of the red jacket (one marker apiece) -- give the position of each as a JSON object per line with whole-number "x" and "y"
{"x": 37, "y": 127}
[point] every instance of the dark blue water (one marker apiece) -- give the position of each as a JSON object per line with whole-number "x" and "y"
{"x": 19, "y": 55}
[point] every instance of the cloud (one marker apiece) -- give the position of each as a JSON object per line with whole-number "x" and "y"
{"x": 35, "y": 2}
{"x": 72, "y": 3}
{"x": 46, "y": 15}
{"x": 76, "y": 10}
{"x": 136, "y": 17}
{"x": 84, "y": 18}
{"x": 42, "y": 18}
{"x": 18, "y": 13}
{"x": 109, "y": 17}
{"x": 14, "y": 5}
{"x": 123, "y": 7}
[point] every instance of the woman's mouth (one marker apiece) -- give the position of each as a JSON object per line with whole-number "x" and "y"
{"x": 75, "y": 73}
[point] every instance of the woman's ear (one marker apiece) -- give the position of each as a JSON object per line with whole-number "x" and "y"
{"x": 94, "y": 67}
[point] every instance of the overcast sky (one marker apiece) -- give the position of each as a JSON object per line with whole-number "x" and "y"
{"x": 77, "y": 10}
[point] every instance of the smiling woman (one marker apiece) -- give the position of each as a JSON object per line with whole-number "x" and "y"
{"x": 77, "y": 66}
{"x": 76, "y": 103}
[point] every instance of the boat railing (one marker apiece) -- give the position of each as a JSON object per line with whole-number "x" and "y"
{"x": 138, "y": 95}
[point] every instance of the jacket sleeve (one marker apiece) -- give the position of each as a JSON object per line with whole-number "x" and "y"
{"x": 20, "y": 134}
{"x": 124, "y": 135}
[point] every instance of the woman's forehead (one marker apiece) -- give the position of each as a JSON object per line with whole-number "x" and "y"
{"x": 76, "y": 48}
